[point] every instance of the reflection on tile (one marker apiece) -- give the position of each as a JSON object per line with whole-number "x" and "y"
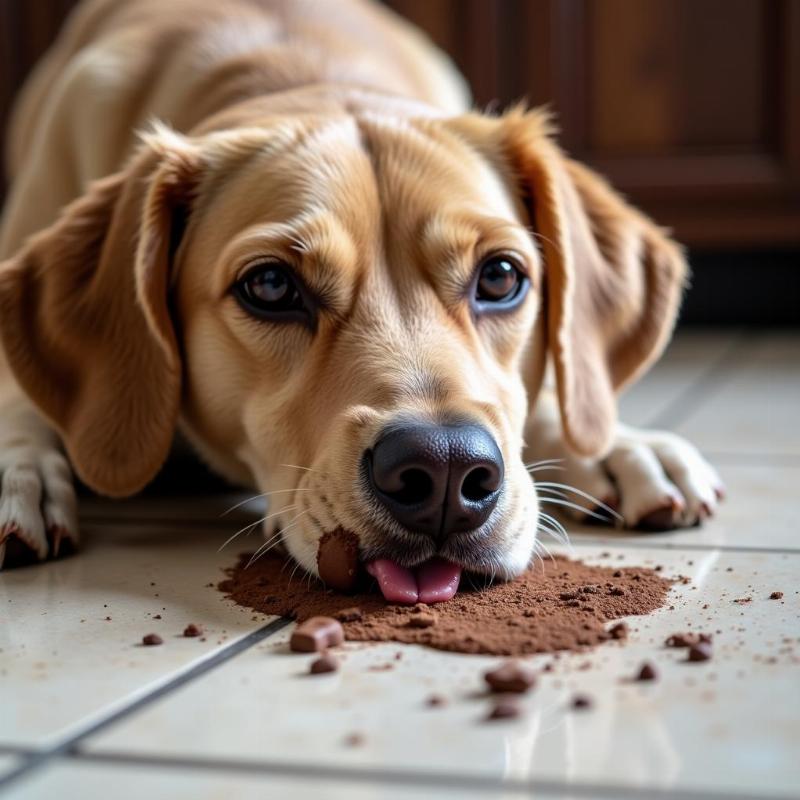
{"x": 690, "y": 356}
{"x": 754, "y": 408}
{"x": 71, "y": 631}
{"x": 86, "y": 779}
{"x": 701, "y": 726}
{"x": 760, "y": 510}
{"x": 7, "y": 763}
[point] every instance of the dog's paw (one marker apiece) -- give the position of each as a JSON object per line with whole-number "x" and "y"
{"x": 38, "y": 506}
{"x": 654, "y": 480}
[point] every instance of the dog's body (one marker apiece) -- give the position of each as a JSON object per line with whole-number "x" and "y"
{"x": 325, "y": 149}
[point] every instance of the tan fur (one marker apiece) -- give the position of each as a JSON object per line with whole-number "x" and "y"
{"x": 340, "y": 142}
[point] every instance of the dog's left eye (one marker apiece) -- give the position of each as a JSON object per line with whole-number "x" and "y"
{"x": 271, "y": 291}
{"x": 499, "y": 281}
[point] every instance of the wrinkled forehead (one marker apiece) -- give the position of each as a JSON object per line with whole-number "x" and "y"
{"x": 370, "y": 188}
{"x": 425, "y": 171}
{"x": 291, "y": 172}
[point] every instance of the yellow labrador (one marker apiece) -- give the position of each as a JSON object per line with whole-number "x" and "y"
{"x": 276, "y": 228}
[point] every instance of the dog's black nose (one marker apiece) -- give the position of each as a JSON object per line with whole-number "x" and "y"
{"x": 437, "y": 479}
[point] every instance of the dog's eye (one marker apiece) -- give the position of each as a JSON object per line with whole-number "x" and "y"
{"x": 269, "y": 290}
{"x": 499, "y": 281}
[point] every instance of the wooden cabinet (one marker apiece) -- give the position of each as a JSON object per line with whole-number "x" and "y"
{"x": 691, "y": 107}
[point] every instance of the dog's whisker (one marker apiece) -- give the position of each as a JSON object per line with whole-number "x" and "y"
{"x": 280, "y": 536}
{"x": 259, "y": 496}
{"x": 543, "y": 462}
{"x": 567, "y": 504}
{"x": 543, "y": 467}
{"x": 556, "y": 525}
{"x": 586, "y": 495}
{"x": 253, "y": 525}
{"x": 307, "y": 469}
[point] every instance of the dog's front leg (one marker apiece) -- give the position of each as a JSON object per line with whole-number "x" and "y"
{"x": 654, "y": 479}
{"x": 38, "y": 507}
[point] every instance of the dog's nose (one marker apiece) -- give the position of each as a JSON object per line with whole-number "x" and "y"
{"x": 437, "y": 479}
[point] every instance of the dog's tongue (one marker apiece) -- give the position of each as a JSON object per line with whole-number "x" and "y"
{"x": 432, "y": 582}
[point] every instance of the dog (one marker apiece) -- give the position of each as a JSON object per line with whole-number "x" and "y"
{"x": 277, "y": 230}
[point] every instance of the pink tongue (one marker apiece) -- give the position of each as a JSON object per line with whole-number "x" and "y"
{"x": 435, "y": 580}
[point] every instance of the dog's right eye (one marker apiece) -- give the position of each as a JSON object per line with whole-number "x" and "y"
{"x": 271, "y": 291}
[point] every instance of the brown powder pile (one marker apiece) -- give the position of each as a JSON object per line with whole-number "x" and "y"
{"x": 558, "y": 605}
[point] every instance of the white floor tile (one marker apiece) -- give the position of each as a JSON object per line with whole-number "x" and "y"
{"x": 760, "y": 510}
{"x": 90, "y": 780}
{"x": 689, "y": 357}
{"x": 728, "y": 725}
{"x": 755, "y": 407}
{"x": 62, "y": 662}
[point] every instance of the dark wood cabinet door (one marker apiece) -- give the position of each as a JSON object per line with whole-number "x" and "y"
{"x": 690, "y": 107}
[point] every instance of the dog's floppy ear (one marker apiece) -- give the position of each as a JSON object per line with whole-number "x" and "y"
{"x": 613, "y": 279}
{"x": 85, "y": 322}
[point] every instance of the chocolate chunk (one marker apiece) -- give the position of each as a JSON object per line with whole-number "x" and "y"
{"x": 699, "y": 652}
{"x": 687, "y": 639}
{"x": 337, "y": 559}
{"x": 568, "y": 596}
{"x": 616, "y": 591}
{"x": 316, "y": 634}
{"x": 152, "y": 639}
{"x": 325, "y": 663}
{"x": 423, "y": 620}
{"x": 647, "y": 672}
{"x": 619, "y": 631}
{"x": 504, "y": 709}
{"x": 192, "y": 630}
{"x": 510, "y": 677}
{"x": 776, "y": 596}
{"x": 436, "y": 701}
{"x": 582, "y": 701}
{"x": 352, "y": 614}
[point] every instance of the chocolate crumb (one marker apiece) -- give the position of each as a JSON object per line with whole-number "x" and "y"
{"x": 436, "y": 701}
{"x": 337, "y": 559}
{"x": 504, "y": 709}
{"x": 616, "y": 591}
{"x": 152, "y": 639}
{"x": 699, "y": 652}
{"x": 687, "y": 639}
{"x": 510, "y": 677}
{"x": 325, "y": 663}
{"x": 647, "y": 672}
{"x": 192, "y": 630}
{"x": 582, "y": 702}
{"x": 619, "y": 631}
{"x": 776, "y": 596}
{"x": 354, "y": 739}
{"x": 316, "y": 634}
{"x": 423, "y": 620}
{"x": 349, "y": 614}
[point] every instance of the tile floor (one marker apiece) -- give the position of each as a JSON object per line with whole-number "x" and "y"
{"x": 86, "y": 712}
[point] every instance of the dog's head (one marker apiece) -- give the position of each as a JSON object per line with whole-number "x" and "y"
{"x": 355, "y": 312}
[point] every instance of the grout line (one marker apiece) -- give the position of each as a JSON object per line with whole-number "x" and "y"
{"x": 706, "y": 385}
{"x": 397, "y": 777}
{"x": 599, "y": 541}
{"x": 37, "y": 758}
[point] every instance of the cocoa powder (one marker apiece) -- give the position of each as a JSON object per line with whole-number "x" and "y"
{"x": 526, "y": 615}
